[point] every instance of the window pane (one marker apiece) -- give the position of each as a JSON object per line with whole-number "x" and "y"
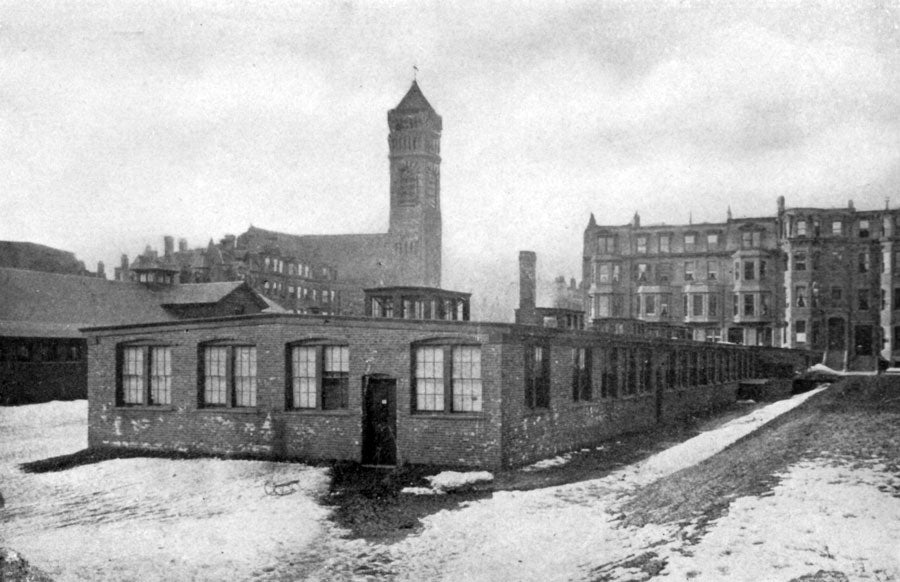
{"x": 467, "y": 379}
{"x": 245, "y": 376}
{"x": 133, "y": 376}
{"x": 303, "y": 385}
{"x": 160, "y": 375}
{"x": 430, "y": 378}
{"x": 214, "y": 384}
{"x": 335, "y": 377}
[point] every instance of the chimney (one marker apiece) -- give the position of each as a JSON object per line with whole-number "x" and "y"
{"x": 101, "y": 270}
{"x": 228, "y": 242}
{"x": 182, "y": 245}
{"x": 526, "y": 314}
{"x": 124, "y": 263}
{"x": 168, "y": 246}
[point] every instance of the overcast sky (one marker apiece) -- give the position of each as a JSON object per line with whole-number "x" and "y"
{"x": 119, "y": 124}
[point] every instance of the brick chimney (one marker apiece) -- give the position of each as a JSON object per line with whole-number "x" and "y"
{"x": 182, "y": 245}
{"x": 526, "y": 314}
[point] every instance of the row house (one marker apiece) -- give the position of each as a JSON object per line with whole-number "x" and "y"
{"x": 720, "y": 280}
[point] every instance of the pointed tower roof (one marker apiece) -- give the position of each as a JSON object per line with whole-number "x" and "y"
{"x": 592, "y": 221}
{"x": 414, "y": 100}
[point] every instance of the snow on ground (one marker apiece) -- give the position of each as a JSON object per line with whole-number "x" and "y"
{"x": 547, "y": 463}
{"x": 206, "y": 519}
{"x": 821, "y": 516}
{"x": 453, "y": 480}
{"x": 147, "y": 519}
{"x": 556, "y": 533}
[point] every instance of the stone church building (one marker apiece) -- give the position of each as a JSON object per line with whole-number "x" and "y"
{"x": 327, "y": 273}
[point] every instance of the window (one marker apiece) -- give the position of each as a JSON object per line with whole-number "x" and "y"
{"x": 697, "y": 302}
{"x": 664, "y": 243}
{"x": 537, "y": 377}
{"x": 762, "y": 269}
{"x": 863, "y": 300}
{"x": 751, "y": 239}
{"x": 799, "y": 261}
{"x": 606, "y": 245}
{"x": 837, "y": 293}
{"x": 765, "y": 306}
{"x": 146, "y": 376}
{"x": 800, "y": 331}
{"x": 642, "y": 245}
{"x": 800, "y": 292}
{"x": 690, "y": 242}
{"x": 712, "y": 240}
{"x": 650, "y": 304}
{"x": 448, "y": 378}
{"x": 837, "y": 228}
{"x": 749, "y": 304}
{"x": 320, "y": 377}
{"x": 689, "y": 270}
{"x": 737, "y": 270}
{"x": 801, "y": 228}
{"x": 601, "y": 306}
{"x": 642, "y": 273}
{"x": 604, "y": 273}
{"x": 735, "y": 304}
{"x": 864, "y": 262}
{"x": 863, "y": 229}
{"x": 229, "y": 376}
{"x": 663, "y": 272}
{"x": 749, "y": 270}
{"x": 581, "y": 374}
{"x": 713, "y": 305}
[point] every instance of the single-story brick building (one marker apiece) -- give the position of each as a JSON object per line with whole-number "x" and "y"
{"x": 386, "y": 391}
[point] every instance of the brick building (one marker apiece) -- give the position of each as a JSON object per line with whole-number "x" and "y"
{"x": 842, "y": 283}
{"x": 815, "y": 278}
{"x": 389, "y": 390}
{"x": 721, "y": 280}
{"x": 327, "y": 273}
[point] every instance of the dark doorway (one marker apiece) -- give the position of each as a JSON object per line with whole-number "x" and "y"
{"x": 836, "y": 333}
{"x": 380, "y": 420}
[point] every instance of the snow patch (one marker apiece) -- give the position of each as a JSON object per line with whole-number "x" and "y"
{"x": 421, "y": 491}
{"x": 548, "y": 463}
{"x": 453, "y": 480}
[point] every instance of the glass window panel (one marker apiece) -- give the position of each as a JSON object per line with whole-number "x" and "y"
{"x": 467, "y": 379}
{"x": 133, "y": 376}
{"x": 161, "y": 375}
{"x": 430, "y": 378}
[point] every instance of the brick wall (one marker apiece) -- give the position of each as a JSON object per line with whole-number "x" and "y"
{"x": 270, "y": 429}
{"x": 506, "y": 432}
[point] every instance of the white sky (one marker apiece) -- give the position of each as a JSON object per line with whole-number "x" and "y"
{"x": 122, "y": 123}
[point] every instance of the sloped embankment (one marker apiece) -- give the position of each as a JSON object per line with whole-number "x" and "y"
{"x": 854, "y": 421}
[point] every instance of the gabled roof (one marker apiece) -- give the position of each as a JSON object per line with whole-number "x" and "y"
{"x": 414, "y": 100}
{"x": 37, "y": 304}
{"x": 51, "y": 301}
{"x": 197, "y": 293}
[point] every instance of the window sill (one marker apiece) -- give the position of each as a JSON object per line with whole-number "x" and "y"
{"x": 318, "y": 412}
{"x": 447, "y": 415}
{"x": 228, "y": 410}
{"x": 146, "y": 407}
